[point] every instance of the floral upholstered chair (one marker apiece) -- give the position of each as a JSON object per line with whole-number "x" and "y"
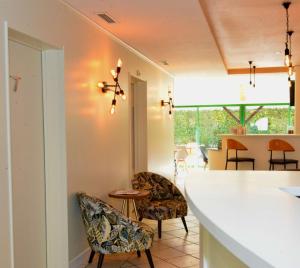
{"x": 109, "y": 232}
{"x": 164, "y": 202}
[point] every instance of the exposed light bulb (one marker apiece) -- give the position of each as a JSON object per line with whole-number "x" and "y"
{"x": 290, "y": 81}
{"x": 113, "y": 73}
{"x": 113, "y": 109}
{"x": 287, "y": 60}
{"x": 287, "y": 56}
{"x": 100, "y": 85}
{"x": 120, "y": 63}
{"x": 291, "y": 71}
{"x": 113, "y": 106}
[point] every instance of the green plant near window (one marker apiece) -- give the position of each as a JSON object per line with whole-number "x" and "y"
{"x": 206, "y": 126}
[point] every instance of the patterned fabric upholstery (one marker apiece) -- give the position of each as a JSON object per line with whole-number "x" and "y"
{"x": 165, "y": 200}
{"x": 108, "y": 231}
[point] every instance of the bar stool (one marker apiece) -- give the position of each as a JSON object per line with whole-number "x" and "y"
{"x": 280, "y": 146}
{"x": 237, "y": 146}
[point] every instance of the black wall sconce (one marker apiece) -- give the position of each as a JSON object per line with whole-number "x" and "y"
{"x": 116, "y": 88}
{"x": 169, "y": 102}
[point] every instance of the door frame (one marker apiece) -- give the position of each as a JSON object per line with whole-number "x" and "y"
{"x": 55, "y": 151}
{"x": 131, "y": 80}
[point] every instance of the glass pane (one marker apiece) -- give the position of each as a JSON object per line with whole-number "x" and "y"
{"x": 275, "y": 119}
{"x": 205, "y": 126}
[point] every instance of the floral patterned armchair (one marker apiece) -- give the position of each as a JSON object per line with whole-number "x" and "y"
{"x": 164, "y": 202}
{"x": 109, "y": 232}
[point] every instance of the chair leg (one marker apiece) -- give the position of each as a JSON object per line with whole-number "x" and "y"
{"x": 297, "y": 165}
{"x": 226, "y": 165}
{"x": 92, "y": 256}
{"x": 184, "y": 224}
{"x": 138, "y": 253}
{"x": 149, "y": 257}
{"x": 236, "y": 165}
{"x": 253, "y": 164}
{"x": 159, "y": 228}
{"x": 140, "y": 218}
{"x": 270, "y": 166}
{"x": 100, "y": 261}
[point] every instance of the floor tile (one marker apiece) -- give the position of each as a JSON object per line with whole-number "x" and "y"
{"x": 167, "y": 253}
{"x": 175, "y": 242}
{"x": 195, "y": 238}
{"x": 181, "y": 233}
{"x": 185, "y": 261}
{"x": 160, "y": 264}
{"x": 189, "y": 249}
{"x": 164, "y": 236}
{"x": 195, "y": 229}
{"x": 169, "y": 227}
{"x": 141, "y": 261}
{"x": 196, "y": 255}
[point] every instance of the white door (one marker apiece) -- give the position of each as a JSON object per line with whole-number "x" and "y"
{"x": 139, "y": 127}
{"x": 28, "y": 172}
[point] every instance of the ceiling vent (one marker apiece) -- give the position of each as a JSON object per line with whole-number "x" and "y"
{"x": 164, "y": 62}
{"x": 106, "y": 17}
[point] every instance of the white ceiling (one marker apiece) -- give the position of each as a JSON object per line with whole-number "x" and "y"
{"x": 252, "y": 30}
{"x": 199, "y": 37}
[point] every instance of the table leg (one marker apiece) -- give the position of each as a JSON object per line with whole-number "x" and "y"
{"x": 128, "y": 212}
{"x": 123, "y": 206}
{"x": 135, "y": 210}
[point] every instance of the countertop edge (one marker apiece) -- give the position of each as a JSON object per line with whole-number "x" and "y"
{"x": 242, "y": 253}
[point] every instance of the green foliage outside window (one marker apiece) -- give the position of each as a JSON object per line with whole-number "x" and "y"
{"x": 205, "y": 128}
{"x": 277, "y": 120}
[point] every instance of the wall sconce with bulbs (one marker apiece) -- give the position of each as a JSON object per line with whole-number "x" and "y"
{"x": 169, "y": 102}
{"x": 116, "y": 88}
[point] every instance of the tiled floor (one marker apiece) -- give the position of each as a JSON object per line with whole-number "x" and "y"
{"x": 176, "y": 248}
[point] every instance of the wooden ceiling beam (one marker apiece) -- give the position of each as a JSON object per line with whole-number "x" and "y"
{"x": 262, "y": 70}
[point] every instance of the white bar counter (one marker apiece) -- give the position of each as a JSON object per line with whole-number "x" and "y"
{"x": 248, "y": 219}
{"x": 257, "y": 145}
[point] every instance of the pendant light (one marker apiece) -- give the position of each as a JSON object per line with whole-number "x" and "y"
{"x": 287, "y": 55}
{"x": 252, "y": 70}
{"x": 288, "y": 44}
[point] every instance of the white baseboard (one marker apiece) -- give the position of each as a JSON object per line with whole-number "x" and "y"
{"x": 81, "y": 260}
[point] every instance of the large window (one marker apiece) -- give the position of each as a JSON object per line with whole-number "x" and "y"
{"x": 203, "y": 125}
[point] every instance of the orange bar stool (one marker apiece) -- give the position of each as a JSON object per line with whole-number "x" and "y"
{"x": 237, "y": 146}
{"x": 281, "y": 146}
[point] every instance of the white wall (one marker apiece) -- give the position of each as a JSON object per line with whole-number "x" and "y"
{"x": 270, "y": 88}
{"x": 97, "y": 143}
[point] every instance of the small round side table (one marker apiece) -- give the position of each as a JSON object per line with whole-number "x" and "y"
{"x": 128, "y": 195}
